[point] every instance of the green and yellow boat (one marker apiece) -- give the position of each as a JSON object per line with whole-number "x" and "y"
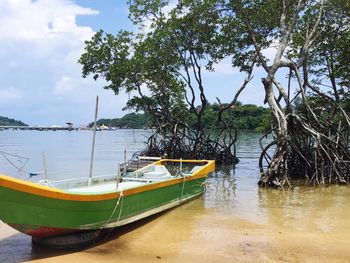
{"x": 60, "y": 208}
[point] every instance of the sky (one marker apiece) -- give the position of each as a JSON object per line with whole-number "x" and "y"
{"x": 40, "y": 80}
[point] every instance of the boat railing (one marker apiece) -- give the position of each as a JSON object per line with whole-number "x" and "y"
{"x": 78, "y": 181}
{"x": 147, "y": 174}
{"x": 82, "y": 181}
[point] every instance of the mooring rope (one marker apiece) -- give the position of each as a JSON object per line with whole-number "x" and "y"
{"x": 183, "y": 186}
{"x": 116, "y": 206}
{"x": 20, "y": 169}
{"x": 204, "y": 185}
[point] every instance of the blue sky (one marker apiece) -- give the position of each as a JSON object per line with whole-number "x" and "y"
{"x": 40, "y": 79}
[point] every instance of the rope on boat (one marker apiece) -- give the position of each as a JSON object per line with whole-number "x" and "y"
{"x": 204, "y": 185}
{"x": 20, "y": 158}
{"x": 121, "y": 195}
{"x": 183, "y": 180}
{"x": 183, "y": 186}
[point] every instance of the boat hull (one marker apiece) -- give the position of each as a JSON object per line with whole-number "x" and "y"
{"x": 43, "y": 212}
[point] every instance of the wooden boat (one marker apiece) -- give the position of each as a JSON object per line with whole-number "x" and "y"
{"x": 60, "y": 208}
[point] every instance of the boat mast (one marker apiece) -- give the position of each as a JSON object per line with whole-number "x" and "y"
{"x": 93, "y": 143}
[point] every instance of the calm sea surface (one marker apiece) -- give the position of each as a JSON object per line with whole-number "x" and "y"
{"x": 67, "y": 153}
{"x": 234, "y": 220}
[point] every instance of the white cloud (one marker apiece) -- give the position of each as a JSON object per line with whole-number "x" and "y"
{"x": 64, "y": 86}
{"x": 40, "y": 44}
{"x": 41, "y": 20}
{"x": 224, "y": 67}
{"x": 270, "y": 53}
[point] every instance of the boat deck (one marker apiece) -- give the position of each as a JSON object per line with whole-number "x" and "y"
{"x": 104, "y": 188}
{"x": 128, "y": 182}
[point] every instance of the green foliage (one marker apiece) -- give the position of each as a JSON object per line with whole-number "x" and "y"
{"x": 4, "y": 121}
{"x": 161, "y": 66}
{"x": 107, "y": 56}
{"x": 241, "y": 117}
{"x": 330, "y": 57}
{"x": 137, "y": 66}
{"x": 129, "y": 121}
{"x": 250, "y": 116}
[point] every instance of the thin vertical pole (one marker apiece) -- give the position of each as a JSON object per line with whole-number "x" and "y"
{"x": 180, "y": 165}
{"x": 124, "y": 162}
{"x": 93, "y": 143}
{"x": 45, "y": 168}
{"x": 118, "y": 174}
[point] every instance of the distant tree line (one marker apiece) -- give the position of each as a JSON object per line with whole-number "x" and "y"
{"x": 246, "y": 117}
{"x": 239, "y": 116}
{"x": 4, "y": 121}
{"x": 128, "y": 121}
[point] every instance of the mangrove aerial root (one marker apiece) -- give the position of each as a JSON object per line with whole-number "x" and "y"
{"x": 313, "y": 152}
{"x": 191, "y": 145}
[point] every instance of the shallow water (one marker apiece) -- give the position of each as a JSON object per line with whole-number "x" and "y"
{"x": 233, "y": 221}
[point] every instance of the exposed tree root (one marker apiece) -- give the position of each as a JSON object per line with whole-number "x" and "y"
{"x": 313, "y": 153}
{"x": 188, "y": 145}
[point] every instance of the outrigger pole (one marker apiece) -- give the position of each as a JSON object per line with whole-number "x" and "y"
{"x": 93, "y": 143}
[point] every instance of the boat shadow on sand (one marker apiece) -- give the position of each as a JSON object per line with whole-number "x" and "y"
{"x": 20, "y": 248}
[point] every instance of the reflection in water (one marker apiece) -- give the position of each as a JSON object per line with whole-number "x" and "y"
{"x": 322, "y": 209}
{"x": 235, "y": 220}
{"x": 220, "y": 190}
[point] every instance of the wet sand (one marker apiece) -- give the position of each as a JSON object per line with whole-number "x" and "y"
{"x": 196, "y": 233}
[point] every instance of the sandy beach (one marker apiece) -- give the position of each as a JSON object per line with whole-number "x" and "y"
{"x": 192, "y": 234}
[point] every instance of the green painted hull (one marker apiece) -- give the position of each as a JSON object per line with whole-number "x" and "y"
{"x": 41, "y": 216}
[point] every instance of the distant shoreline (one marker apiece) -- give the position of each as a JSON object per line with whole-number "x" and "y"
{"x": 42, "y": 128}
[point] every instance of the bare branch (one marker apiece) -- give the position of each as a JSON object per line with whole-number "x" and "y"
{"x": 235, "y": 98}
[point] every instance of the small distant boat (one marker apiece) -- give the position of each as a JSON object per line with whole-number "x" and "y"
{"x": 65, "y": 207}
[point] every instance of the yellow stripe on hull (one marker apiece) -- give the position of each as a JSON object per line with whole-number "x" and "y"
{"x": 49, "y": 192}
